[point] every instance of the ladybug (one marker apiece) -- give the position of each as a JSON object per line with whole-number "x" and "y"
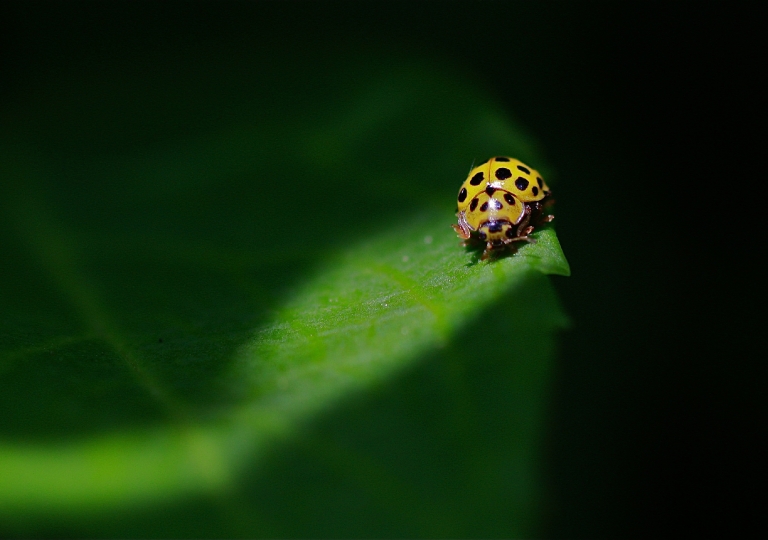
{"x": 501, "y": 202}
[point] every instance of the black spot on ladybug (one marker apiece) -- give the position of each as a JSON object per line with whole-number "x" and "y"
{"x": 547, "y": 192}
{"x": 502, "y": 173}
{"x": 502, "y": 159}
{"x": 535, "y": 191}
{"x": 521, "y": 183}
{"x": 509, "y": 198}
{"x": 490, "y": 190}
{"x": 462, "y": 194}
{"x": 540, "y": 181}
{"x": 511, "y": 232}
{"x": 496, "y": 243}
{"x": 497, "y": 204}
{"x": 484, "y": 206}
{"x": 481, "y": 235}
{"x": 526, "y": 170}
{"x": 495, "y": 226}
{"x": 473, "y": 204}
{"x": 476, "y": 179}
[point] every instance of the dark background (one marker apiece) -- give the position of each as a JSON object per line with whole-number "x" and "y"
{"x": 645, "y": 112}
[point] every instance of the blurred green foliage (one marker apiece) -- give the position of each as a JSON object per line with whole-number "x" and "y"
{"x": 127, "y": 127}
{"x": 232, "y": 304}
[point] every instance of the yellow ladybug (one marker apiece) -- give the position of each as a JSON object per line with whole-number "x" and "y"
{"x": 501, "y": 202}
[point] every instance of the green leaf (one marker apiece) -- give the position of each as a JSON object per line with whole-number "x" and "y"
{"x": 265, "y": 326}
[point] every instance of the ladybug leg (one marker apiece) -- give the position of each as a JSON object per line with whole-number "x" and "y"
{"x": 487, "y": 252}
{"x": 523, "y": 235}
{"x": 462, "y": 229}
{"x": 524, "y": 229}
{"x": 461, "y": 232}
{"x": 524, "y": 238}
{"x": 542, "y": 218}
